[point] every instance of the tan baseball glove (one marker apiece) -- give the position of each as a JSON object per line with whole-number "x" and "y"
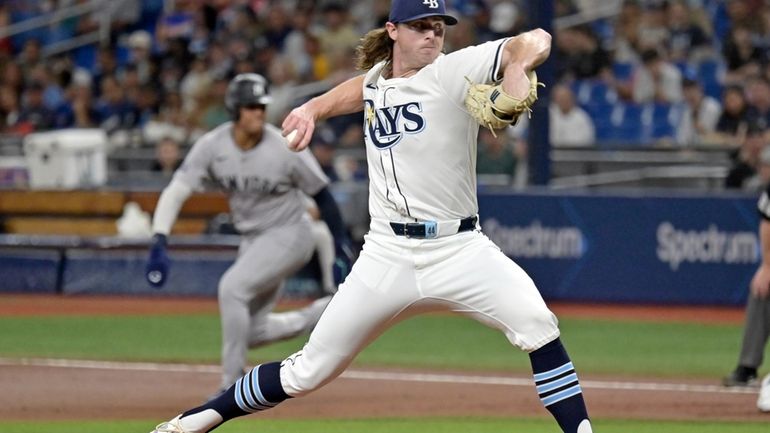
{"x": 495, "y": 109}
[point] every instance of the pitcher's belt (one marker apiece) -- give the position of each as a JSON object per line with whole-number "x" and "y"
{"x": 433, "y": 229}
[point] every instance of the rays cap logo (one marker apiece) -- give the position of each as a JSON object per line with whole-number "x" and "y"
{"x": 402, "y": 11}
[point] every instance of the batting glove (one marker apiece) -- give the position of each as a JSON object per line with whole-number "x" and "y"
{"x": 158, "y": 263}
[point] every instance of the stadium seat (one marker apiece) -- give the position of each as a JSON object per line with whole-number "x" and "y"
{"x": 600, "y": 113}
{"x": 665, "y": 118}
{"x": 710, "y": 74}
{"x": 122, "y": 54}
{"x": 622, "y": 71}
{"x": 85, "y": 56}
{"x": 603, "y": 133}
{"x": 148, "y": 18}
{"x": 684, "y": 68}
{"x": 717, "y": 12}
{"x": 624, "y": 126}
{"x": 604, "y": 29}
{"x": 590, "y": 92}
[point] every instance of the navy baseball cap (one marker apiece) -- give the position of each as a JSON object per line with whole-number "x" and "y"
{"x": 409, "y": 10}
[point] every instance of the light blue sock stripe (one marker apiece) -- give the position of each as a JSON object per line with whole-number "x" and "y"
{"x": 239, "y": 399}
{"x": 557, "y": 383}
{"x": 246, "y": 394}
{"x": 258, "y": 392}
{"x": 249, "y": 381}
{"x": 243, "y": 399}
{"x": 559, "y": 396}
{"x": 555, "y": 372}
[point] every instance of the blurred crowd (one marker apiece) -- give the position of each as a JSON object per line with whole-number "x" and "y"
{"x": 684, "y": 73}
{"x": 674, "y": 73}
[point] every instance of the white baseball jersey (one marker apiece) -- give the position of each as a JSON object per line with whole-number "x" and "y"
{"x": 263, "y": 183}
{"x": 421, "y": 141}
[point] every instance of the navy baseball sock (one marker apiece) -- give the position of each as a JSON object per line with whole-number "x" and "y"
{"x": 558, "y": 387}
{"x": 258, "y": 390}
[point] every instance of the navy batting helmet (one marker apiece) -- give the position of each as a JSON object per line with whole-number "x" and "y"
{"x": 244, "y": 90}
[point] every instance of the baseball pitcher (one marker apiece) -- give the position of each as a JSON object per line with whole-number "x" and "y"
{"x": 425, "y": 250}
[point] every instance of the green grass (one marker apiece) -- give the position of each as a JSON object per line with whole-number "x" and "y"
{"x": 660, "y": 349}
{"x": 421, "y": 425}
{"x": 193, "y": 338}
{"x": 438, "y": 342}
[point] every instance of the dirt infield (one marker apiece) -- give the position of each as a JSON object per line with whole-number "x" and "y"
{"x": 140, "y": 391}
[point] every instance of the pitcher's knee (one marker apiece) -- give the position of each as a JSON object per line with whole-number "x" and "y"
{"x": 544, "y": 319}
{"x": 308, "y": 370}
{"x": 299, "y": 386}
{"x": 539, "y": 328}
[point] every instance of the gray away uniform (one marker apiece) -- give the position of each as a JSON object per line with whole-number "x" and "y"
{"x": 264, "y": 186}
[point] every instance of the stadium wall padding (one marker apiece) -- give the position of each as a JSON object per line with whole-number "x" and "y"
{"x": 96, "y": 272}
{"x": 28, "y": 270}
{"x": 589, "y": 247}
{"x": 631, "y": 249}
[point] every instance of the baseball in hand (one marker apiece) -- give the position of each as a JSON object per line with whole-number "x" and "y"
{"x": 290, "y": 136}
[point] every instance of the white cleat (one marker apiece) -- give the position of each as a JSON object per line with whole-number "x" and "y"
{"x": 585, "y": 427}
{"x": 172, "y": 426}
{"x": 763, "y": 401}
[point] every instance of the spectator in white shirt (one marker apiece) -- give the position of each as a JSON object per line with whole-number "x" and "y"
{"x": 570, "y": 125}
{"x": 700, "y": 116}
{"x": 656, "y": 80}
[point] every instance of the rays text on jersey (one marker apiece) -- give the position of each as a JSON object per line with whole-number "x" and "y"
{"x": 385, "y": 126}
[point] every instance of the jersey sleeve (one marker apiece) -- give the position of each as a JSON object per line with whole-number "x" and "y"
{"x": 763, "y": 205}
{"x": 194, "y": 171}
{"x": 307, "y": 174}
{"x": 479, "y": 63}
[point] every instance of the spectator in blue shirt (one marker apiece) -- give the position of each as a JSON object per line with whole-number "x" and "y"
{"x": 33, "y": 110}
{"x": 114, "y": 110}
{"x": 77, "y": 110}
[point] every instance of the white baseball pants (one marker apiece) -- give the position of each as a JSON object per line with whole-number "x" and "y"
{"x": 397, "y": 277}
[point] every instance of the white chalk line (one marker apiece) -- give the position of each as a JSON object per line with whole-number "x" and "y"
{"x": 356, "y": 374}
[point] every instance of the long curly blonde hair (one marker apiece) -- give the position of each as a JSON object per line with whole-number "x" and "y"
{"x": 375, "y": 47}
